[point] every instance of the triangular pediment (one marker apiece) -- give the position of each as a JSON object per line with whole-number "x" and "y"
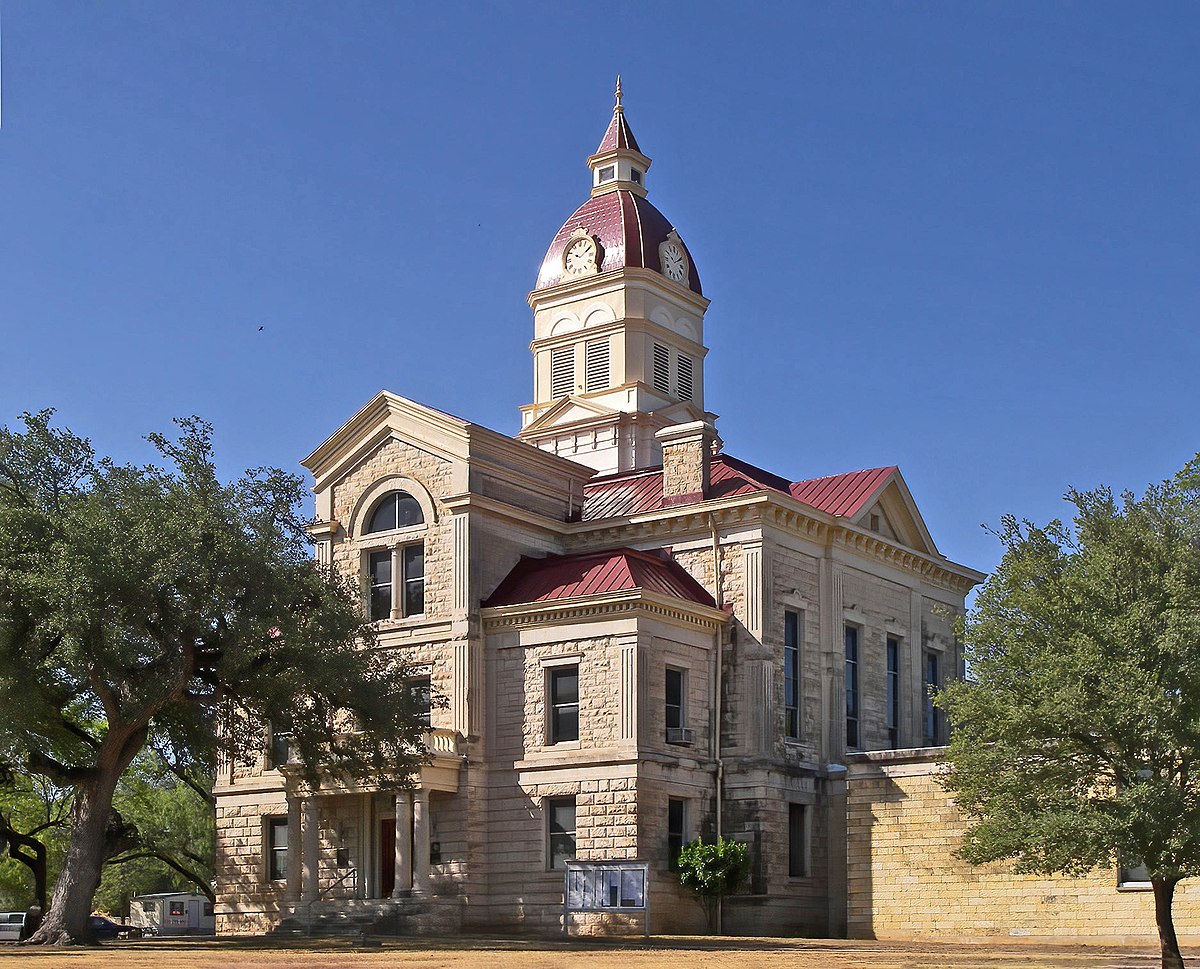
{"x": 387, "y": 416}
{"x": 893, "y": 514}
{"x": 569, "y": 410}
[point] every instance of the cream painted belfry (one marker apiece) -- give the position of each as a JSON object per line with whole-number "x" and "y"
{"x": 625, "y": 299}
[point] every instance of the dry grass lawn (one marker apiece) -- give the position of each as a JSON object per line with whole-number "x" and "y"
{"x": 657, "y": 953}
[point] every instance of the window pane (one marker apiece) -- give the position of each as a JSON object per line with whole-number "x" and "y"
{"x": 421, "y": 698}
{"x": 560, "y": 816}
{"x": 414, "y": 580}
{"x": 852, "y": 738}
{"x": 380, "y": 567}
{"x": 791, "y": 673}
{"x": 408, "y": 511}
{"x": 674, "y": 709}
{"x": 796, "y": 843}
{"x": 565, "y": 685}
{"x": 384, "y": 518}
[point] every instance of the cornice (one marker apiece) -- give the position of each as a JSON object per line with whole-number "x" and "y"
{"x": 612, "y": 605}
{"x": 612, "y": 280}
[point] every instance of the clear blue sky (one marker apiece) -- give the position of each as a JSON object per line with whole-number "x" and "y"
{"x": 962, "y": 238}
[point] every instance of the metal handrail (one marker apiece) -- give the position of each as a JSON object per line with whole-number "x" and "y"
{"x": 321, "y": 894}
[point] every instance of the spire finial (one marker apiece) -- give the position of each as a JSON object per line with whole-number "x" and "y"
{"x": 617, "y": 107}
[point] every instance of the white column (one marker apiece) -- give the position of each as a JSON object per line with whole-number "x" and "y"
{"x": 310, "y": 850}
{"x": 421, "y": 842}
{"x": 397, "y": 585}
{"x": 294, "y": 849}
{"x": 404, "y": 830}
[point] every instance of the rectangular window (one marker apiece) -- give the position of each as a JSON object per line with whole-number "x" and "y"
{"x": 208, "y": 910}
{"x": 387, "y": 586}
{"x": 661, "y": 369}
{"x": 596, "y": 370}
{"x": 608, "y": 173}
{"x": 177, "y": 909}
{"x": 413, "y": 562}
{"x": 564, "y": 704}
{"x": 560, "y": 823}
{"x": 1131, "y": 873}
{"x": 562, "y": 372}
{"x": 279, "y": 746}
{"x": 419, "y": 689}
{"x": 932, "y": 682}
{"x": 683, "y": 376}
{"x": 380, "y": 577}
{"x": 635, "y": 176}
{"x": 674, "y": 711}
{"x": 893, "y": 692}
{"x": 797, "y": 840}
{"x": 277, "y": 848}
{"x": 791, "y": 673}
{"x": 676, "y": 830}
{"x": 852, "y": 738}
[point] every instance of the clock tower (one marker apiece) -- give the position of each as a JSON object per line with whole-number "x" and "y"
{"x": 618, "y": 317}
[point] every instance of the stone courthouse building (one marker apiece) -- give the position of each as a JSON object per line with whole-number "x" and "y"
{"x": 638, "y": 638}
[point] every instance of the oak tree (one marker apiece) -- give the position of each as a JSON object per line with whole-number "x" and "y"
{"x": 160, "y": 605}
{"x": 1077, "y": 735}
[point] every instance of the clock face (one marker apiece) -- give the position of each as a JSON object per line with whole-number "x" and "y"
{"x": 580, "y": 256}
{"x": 674, "y": 263}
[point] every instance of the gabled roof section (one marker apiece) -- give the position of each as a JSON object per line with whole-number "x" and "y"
{"x": 846, "y": 496}
{"x": 559, "y": 577}
{"x": 567, "y": 410}
{"x": 842, "y": 495}
{"x": 388, "y": 415}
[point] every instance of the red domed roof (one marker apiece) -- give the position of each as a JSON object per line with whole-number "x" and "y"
{"x": 629, "y": 229}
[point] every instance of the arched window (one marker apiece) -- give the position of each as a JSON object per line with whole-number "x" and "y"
{"x": 396, "y": 509}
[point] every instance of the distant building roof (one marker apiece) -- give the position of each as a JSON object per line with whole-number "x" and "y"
{"x": 595, "y": 573}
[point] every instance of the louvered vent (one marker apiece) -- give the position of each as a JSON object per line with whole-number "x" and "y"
{"x": 683, "y": 376}
{"x": 661, "y": 376}
{"x": 562, "y": 372}
{"x": 596, "y": 372}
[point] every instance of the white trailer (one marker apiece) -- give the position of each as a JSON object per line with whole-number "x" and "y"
{"x": 173, "y": 913}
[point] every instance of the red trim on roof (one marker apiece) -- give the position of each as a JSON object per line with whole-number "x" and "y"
{"x": 596, "y": 573}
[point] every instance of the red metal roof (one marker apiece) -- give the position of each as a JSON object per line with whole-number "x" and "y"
{"x": 622, "y": 495}
{"x": 618, "y": 135}
{"x": 843, "y": 495}
{"x": 595, "y": 573}
{"x": 629, "y": 230}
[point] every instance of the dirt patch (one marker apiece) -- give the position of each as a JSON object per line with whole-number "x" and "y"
{"x": 656, "y": 953}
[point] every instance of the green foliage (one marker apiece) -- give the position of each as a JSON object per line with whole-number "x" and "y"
{"x": 1076, "y": 740}
{"x": 159, "y": 605}
{"x": 714, "y": 870}
{"x": 35, "y": 807}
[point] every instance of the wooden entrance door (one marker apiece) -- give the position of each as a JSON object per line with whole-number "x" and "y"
{"x": 387, "y": 857}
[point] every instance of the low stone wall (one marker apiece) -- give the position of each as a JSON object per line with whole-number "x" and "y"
{"x": 905, "y": 881}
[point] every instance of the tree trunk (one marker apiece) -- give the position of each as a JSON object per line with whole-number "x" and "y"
{"x": 68, "y": 920}
{"x": 1164, "y": 894}
{"x": 31, "y": 853}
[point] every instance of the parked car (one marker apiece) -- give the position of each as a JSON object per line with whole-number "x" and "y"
{"x": 105, "y": 929}
{"x": 11, "y": 924}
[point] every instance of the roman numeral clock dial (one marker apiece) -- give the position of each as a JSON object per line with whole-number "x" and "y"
{"x": 674, "y": 262}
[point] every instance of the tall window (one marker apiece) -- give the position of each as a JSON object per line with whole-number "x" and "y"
{"x": 560, "y": 823}
{"x": 676, "y": 830}
{"x": 564, "y": 704}
{"x": 596, "y": 368}
{"x": 893, "y": 692}
{"x": 932, "y": 682}
{"x": 277, "y": 848}
{"x": 797, "y": 840}
{"x": 660, "y": 374}
{"x": 791, "y": 673}
{"x": 674, "y": 708}
{"x": 683, "y": 376}
{"x": 387, "y": 585}
{"x": 419, "y": 690}
{"x": 279, "y": 747}
{"x": 852, "y": 739}
{"x": 562, "y": 372}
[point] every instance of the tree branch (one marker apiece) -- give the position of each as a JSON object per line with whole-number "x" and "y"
{"x": 191, "y": 876}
